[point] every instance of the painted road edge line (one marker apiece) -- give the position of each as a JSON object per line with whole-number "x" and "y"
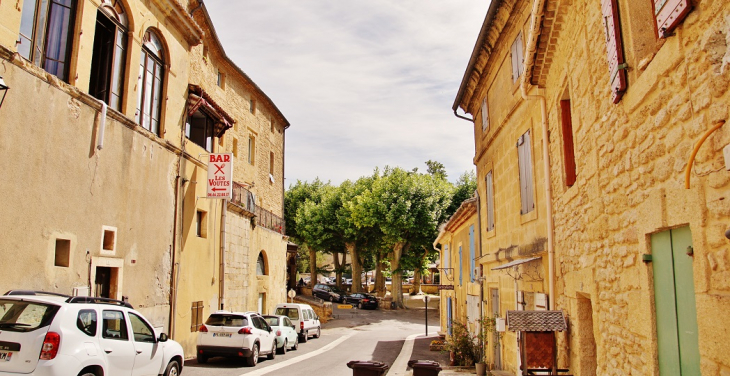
{"x": 297, "y": 359}
{"x": 400, "y": 366}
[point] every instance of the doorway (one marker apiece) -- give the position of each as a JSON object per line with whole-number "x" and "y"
{"x": 674, "y": 296}
{"x": 587, "y": 361}
{"x": 105, "y": 282}
{"x": 494, "y": 293}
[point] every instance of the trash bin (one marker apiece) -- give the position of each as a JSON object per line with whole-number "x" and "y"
{"x": 367, "y": 368}
{"x": 424, "y": 367}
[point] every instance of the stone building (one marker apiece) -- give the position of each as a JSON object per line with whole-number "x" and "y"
{"x": 633, "y": 100}
{"x": 113, "y": 108}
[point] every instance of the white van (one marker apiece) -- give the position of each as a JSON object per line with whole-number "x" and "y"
{"x": 303, "y": 317}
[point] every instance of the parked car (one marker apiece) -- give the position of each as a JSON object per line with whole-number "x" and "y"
{"x": 236, "y": 334}
{"x": 303, "y": 317}
{"x": 43, "y": 333}
{"x": 362, "y": 300}
{"x": 328, "y": 293}
{"x": 286, "y": 332}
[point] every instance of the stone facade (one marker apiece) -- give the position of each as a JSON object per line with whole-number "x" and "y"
{"x": 630, "y": 158}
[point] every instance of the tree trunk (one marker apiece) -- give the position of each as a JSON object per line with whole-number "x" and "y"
{"x": 356, "y": 267}
{"x": 338, "y": 270}
{"x": 418, "y": 276}
{"x": 312, "y": 267}
{"x": 379, "y": 277}
{"x": 396, "y": 285}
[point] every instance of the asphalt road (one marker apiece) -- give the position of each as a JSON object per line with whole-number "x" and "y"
{"x": 353, "y": 335}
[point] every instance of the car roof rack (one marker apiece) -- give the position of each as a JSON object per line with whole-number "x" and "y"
{"x": 93, "y": 299}
{"x": 34, "y": 292}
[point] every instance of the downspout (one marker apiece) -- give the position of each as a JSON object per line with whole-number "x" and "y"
{"x": 481, "y": 277}
{"x": 535, "y": 24}
{"x": 222, "y": 284}
{"x": 102, "y": 125}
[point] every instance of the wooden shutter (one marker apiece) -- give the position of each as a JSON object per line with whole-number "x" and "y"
{"x": 669, "y": 14}
{"x": 614, "y": 48}
{"x": 568, "y": 151}
{"x": 196, "y": 316}
{"x": 517, "y": 57}
{"x": 490, "y": 201}
{"x": 524, "y": 154}
{"x": 485, "y": 115}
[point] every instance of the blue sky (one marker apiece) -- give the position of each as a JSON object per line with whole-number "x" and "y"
{"x": 364, "y": 84}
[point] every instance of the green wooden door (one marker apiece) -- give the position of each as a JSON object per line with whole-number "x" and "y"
{"x": 676, "y": 311}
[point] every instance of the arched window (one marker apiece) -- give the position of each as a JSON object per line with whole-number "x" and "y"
{"x": 46, "y": 34}
{"x": 110, "y": 54}
{"x": 149, "y": 85}
{"x": 261, "y": 264}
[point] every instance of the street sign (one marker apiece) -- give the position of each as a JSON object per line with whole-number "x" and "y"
{"x": 220, "y": 175}
{"x": 344, "y": 306}
{"x": 446, "y": 287}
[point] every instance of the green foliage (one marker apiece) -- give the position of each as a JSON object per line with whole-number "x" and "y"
{"x": 436, "y": 169}
{"x": 296, "y": 196}
{"x": 463, "y": 190}
{"x": 462, "y": 344}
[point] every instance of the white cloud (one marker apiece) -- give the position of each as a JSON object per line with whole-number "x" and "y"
{"x": 364, "y": 84}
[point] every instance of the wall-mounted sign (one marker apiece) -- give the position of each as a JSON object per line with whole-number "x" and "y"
{"x": 446, "y": 287}
{"x": 220, "y": 175}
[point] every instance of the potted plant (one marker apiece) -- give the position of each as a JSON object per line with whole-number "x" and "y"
{"x": 461, "y": 345}
{"x": 486, "y": 327}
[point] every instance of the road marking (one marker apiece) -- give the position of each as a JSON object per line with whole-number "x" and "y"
{"x": 400, "y": 365}
{"x": 278, "y": 366}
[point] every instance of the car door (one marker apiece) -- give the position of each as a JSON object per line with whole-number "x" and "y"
{"x": 149, "y": 354}
{"x": 265, "y": 334}
{"x": 289, "y": 329}
{"x": 116, "y": 344}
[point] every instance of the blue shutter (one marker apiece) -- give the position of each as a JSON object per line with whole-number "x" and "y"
{"x": 471, "y": 252}
{"x": 448, "y": 315}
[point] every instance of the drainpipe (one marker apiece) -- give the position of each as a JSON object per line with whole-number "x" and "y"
{"x": 222, "y": 284}
{"x": 537, "y": 13}
{"x": 102, "y": 125}
{"x": 481, "y": 277}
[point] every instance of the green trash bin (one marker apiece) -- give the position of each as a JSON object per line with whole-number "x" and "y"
{"x": 367, "y": 368}
{"x": 424, "y": 367}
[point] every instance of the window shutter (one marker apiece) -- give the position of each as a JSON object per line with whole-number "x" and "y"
{"x": 490, "y": 201}
{"x": 517, "y": 57}
{"x": 568, "y": 151}
{"x": 669, "y": 14}
{"x": 521, "y": 163}
{"x": 614, "y": 48}
{"x": 461, "y": 268}
{"x": 528, "y": 174}
{"x": 485, "y": 115}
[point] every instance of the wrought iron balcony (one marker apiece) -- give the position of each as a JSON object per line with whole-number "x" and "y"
{"x": 246, "y": 200}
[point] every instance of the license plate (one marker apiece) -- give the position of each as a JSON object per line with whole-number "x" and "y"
{"x": 5, "y": 356}
{"x": 226, "y": 335}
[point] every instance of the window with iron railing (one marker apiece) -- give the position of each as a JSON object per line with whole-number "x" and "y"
{"x": 247, "y": 201}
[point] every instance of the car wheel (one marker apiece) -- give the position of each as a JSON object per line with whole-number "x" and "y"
{"x": 202, "y": 359}
{"x": 173, "y": 369}
{"x": 359, "y": 305}
{"x": 272, "y": 354}
{"x": 296, "y": 344}
{"x": 303, "y": 338}
{"x": 282, "y": 351}
{"x": 318, "y": 334}
{"x": 332, "y": 299}
{"x": 254, "y": 358}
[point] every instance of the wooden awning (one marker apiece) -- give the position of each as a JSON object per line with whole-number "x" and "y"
{"x": 198, "y": 99}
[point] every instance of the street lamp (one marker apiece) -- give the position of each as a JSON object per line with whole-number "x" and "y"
{"x": 3, "y": 90}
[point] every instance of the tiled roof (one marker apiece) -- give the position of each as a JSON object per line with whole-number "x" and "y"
{"x": 536, "y": 321}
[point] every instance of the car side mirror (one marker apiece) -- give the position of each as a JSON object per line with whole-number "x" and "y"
{"x": 294, "y": 327}
{"x": 163, "y": 337}
{"x": 270, "y": 330}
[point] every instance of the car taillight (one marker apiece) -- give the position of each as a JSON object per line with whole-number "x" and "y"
{"x": 203, "y": 329}
{"x": 50, "y": 346}
{"x": 365, "y": 300}
{"x": 278, "y": 333}
{"x": 245, "y": 331}
{"x": 301, "y": 325}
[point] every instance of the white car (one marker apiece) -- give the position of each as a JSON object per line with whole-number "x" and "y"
{"x": 303, "y": 318}
{"x": 286, "y": 333}
{"x": 49, "y": 334}
{"x": 236, "y": 334}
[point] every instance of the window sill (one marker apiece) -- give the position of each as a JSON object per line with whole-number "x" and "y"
{"x": 529, "y": 217}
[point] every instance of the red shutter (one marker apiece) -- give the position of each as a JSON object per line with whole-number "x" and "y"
{"x": 568, "y": 151}
{"x": 616, "y": 63}
{"x": 668, "y": 14}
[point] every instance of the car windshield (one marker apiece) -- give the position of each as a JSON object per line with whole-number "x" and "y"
{"x": 23, "y": 316}
{"x": 272, "y": 321}
{"x": 292, "y": 313}
{"x": 221, "y": 319}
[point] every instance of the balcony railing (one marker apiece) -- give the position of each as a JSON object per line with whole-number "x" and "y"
{"x": 246, "y": 200}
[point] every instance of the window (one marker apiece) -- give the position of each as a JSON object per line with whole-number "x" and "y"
{"x": 568, "y": 151}
{"x": 114, "y": 326}
{"x": 670, "y": 14}
{"x": 616, "y": 62}
{"x": 461, "y": 267}
{"x": 46, "y": 34}
{"x": 200, "y": 129}
{"x": 221, "y": 79}
{"x": 252, "y": 106}
{"x": 149, "y": 83}
{"x": 86, "y": 322}
{"x": 196, "y": 316}
{"x": 235, "y": 147}
{"x": 109, "y": 54}
{"x": 517, "y": 58}
{"x": 524, "y": 154}
{"x": 489, "y": 182}
{"x": 141, "y": 330}
{"x": 201, "y": 224}
{"x": 251, "y": 150}
{"x": 63, "y": 252}
{"x": 261, "y": 264}
{"x": 108, "y": 239}
{"x": 485, "y": 115}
